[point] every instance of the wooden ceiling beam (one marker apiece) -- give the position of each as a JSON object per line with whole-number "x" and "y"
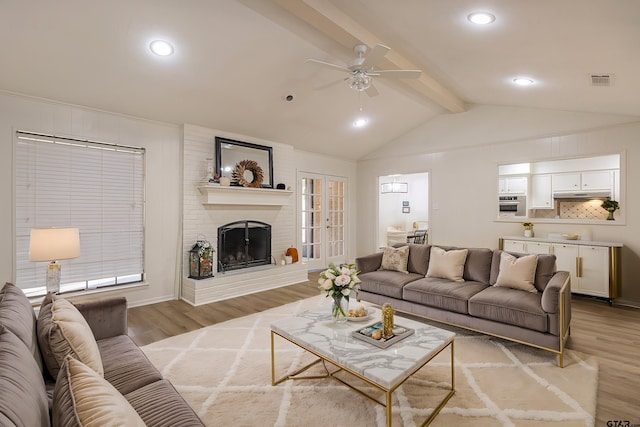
{"x": 334, "y": 23}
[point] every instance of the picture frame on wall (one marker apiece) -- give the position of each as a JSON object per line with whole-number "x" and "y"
{"x": 406, "y": 209}
{"x": 405, "y": 203}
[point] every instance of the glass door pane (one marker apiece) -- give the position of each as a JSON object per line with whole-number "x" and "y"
{"x": 311, "y": 218}
{"x": 335, "y": 220}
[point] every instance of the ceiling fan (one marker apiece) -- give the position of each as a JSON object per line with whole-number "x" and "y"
{"x": 362, "y": 71}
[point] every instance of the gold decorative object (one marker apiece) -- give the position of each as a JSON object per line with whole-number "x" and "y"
{"x": 247, "y": 173}
{"x": 387, "y": 321}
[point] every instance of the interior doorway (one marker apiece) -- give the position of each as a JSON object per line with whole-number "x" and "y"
{"x": 323, "y": 219}
{"x": 403, "y": 209}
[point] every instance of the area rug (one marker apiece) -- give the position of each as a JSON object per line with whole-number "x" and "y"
{"x": 224, "y": 372}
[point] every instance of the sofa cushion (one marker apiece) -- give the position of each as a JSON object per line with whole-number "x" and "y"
{"x": 517, "y": 273}
{"x": 160, "y": 405}
{"x": 126, "y": 367}
{"x": 17, "y": 315}
{"x": 62, "y": 330}
{"x": 418, "y": 257}
{"x": 442, "y": 293}
{"x": 395, "y": 259}
{"x": 384, "y": 282}
{"x": 545, "y": 268}
{"x": 477, "y": 267}
{"x": 23, "y": 399}
{"x": 447, "y": 264}
{"x": 83, "y": 398}
{"x": 510, "y": 306}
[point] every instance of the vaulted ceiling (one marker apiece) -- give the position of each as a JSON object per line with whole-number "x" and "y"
{"x": 235, "y": 62}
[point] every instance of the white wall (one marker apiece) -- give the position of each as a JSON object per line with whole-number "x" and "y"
{"x": 464, "y": 186}
{"x": 162, "y": 144}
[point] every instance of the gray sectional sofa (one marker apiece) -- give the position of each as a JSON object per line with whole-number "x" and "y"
{"x": 539, "y": 317}
{"x": 48, "y": 376}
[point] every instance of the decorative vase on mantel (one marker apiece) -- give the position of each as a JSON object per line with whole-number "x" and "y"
{"x": 339, "y": 308}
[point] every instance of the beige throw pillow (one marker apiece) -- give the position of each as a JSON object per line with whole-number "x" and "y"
{"x": 447, "y": 264}
{"x": 83, "y": 398}
{"x": 518, "y": 273}
{"x": 62, "y": 330}
{"x": 395, "y": 259}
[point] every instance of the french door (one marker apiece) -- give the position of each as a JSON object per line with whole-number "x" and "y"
{"x": 323, "y": 219}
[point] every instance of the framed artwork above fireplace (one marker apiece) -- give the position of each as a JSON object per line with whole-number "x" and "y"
{"x": 230, "y": 152}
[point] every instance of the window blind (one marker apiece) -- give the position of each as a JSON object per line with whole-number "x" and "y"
{"x": 96, "y": 187}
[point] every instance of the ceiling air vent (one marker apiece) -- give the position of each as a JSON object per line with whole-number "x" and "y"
{"x": 601, "y": 79}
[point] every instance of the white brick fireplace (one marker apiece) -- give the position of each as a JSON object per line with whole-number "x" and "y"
{"x": 207, "y": 207}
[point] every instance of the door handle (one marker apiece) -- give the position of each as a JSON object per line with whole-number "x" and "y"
{"x": 578, "y": 266}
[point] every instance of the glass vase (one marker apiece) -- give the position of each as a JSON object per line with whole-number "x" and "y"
{"x": 339, "y": 308}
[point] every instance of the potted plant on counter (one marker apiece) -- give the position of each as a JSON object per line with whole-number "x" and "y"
{"x": 611, "y": 206}
{"x": 528, "y": 229}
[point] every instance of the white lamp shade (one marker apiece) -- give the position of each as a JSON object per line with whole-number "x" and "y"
{"x": 52, "y": 244}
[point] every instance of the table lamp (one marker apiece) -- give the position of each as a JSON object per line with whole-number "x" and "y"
{"x": 54, "y": 244}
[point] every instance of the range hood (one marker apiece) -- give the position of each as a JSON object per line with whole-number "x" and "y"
{"x": 582, "y": 195}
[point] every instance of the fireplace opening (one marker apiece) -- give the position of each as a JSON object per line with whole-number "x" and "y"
{"x": 243, "y": 244}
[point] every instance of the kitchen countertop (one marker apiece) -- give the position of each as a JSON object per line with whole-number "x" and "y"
{"x": 565, "y": 241}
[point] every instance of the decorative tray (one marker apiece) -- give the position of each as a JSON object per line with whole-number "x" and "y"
{"x": 364, "y": 334}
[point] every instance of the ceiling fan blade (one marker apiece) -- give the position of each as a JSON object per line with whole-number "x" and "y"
{"x": 375, "y": 55}
{"x": 329, "y": 65}
{"x": 399, "y": 74}
{"x": 372, "y": 91}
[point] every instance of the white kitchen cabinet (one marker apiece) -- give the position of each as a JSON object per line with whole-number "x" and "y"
{"x": 539, "y": 248}
{"x": 541, "y": 195}
{"x": 526, "y": 247}
{"x": 588, "y": 265}
{"x": 513, "y": 185}
{"x": 514, "y": 246}
{"x": 566, "y": 182}
{"x": 597, "y": 180}
{"x": 595, "y": 269}
{"x": 584, "y": 181}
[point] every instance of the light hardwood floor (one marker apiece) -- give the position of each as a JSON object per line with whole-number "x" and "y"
{"x": 612, "y": 334}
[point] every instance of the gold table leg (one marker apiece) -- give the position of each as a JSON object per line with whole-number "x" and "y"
{"x": 388, "y": 392}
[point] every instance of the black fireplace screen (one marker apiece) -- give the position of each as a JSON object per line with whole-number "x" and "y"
{"x": 243, "y": 244}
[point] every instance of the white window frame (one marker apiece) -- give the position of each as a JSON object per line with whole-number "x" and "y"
{"x": 109, "y": 212}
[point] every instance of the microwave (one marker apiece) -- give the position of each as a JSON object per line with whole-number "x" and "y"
{"x": 513, "y": 206}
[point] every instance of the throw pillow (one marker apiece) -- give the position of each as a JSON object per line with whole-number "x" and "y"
{"x": 518, "y": 273}
{"x": 395, "y": 259}
{"x": 17, "y": 315}
{"x": 62, "y": 330}
{"x": 447, "y": 264}
{"x": 83, "y": 398}
{"x": 23, "y": 397}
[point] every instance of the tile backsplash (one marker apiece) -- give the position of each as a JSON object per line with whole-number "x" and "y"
{"x": 578, "y": 209}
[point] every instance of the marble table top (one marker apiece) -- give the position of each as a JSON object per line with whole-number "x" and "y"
{"x": 316, "y": 331}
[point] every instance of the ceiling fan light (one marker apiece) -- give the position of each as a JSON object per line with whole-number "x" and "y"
{"x": 481, "y": 18}
{"x": 359, "y": 81}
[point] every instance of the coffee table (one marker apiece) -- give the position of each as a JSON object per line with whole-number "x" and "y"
{"x": 385, "y": 369}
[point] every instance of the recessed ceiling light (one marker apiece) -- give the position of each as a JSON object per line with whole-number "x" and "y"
{"x": 523, "y": 81}
{"x": 361, "y": 122}
{"x": 481, "y": 18}
{"x": 161, "y": 48}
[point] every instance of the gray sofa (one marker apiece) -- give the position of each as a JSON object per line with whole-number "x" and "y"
{"x": 31, "y": 396}
{"x": 540, "y": 318}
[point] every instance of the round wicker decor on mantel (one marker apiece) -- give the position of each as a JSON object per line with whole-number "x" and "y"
{"x": 247, "y": 173}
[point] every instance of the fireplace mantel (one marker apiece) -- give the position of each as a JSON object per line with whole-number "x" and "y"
{"x": 221, "y": 195}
